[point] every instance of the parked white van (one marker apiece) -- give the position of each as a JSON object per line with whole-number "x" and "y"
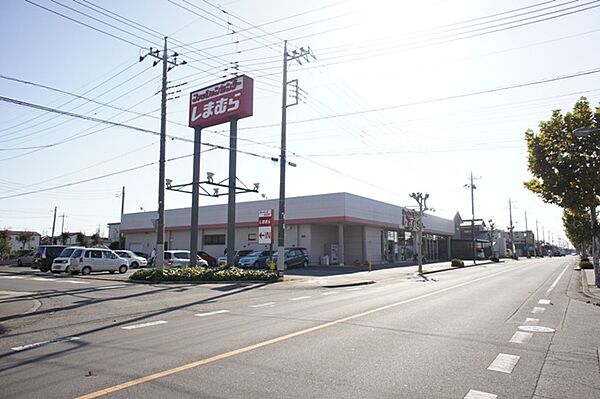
{"x": 62, "y": 264}
{"x": 97, "y": 260}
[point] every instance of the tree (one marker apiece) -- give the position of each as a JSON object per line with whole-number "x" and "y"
{"x": 24, "y": 238}
{"x": 5, "y": 246}
{"x": 64, "y": 237}
{"x": 565, "y": 165}
{"x": 578, "y": 228}
{"x": 96, "y": 239}
{"x": 82, "y": 239}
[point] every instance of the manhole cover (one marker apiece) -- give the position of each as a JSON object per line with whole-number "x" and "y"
{"x": 537, "y": 329}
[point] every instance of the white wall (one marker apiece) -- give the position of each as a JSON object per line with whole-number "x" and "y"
{"x": 353, "y": 244}
{"x": 373, "y": 244}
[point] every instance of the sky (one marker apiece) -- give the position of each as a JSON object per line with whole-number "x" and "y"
{"x": 402, "y": 97}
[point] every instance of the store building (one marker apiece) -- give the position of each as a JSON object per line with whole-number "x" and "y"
{"x": 338, "y": 228}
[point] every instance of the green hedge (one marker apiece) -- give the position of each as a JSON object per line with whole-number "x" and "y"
{"x": 586, "y": 264}
{"x": 457, "y": 263}
{"x": 201, "y": 273}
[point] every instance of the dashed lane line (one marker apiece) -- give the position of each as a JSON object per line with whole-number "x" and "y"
{"x": 504, "y": 363}
{"x": 149, "y": 324}
{"x": 263, "y": 305}
{"x": 520, "y": 337}
{"x": 43, "y": 343}
{"x": 330, "y": 293}
{"x": 299, "y": 298}
{"x": 473, "y": 394}
{"x": 537, "y": 309}
{"x": 211, "y": 313}
{"x": 531, "y": 320}
{"x": 556, "y": 281}
{"x": 544, "y": 302}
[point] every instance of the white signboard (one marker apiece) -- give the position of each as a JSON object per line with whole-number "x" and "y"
{"x": 265, "y": 226}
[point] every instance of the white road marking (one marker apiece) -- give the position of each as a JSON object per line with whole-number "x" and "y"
{"x": 556, "y": 281}
{"x": 330, "y": 293}
{"x": 11, "y": 277}
{"x": 539, "y": 329}
{"x": 74, "y": 282}
{"x": 354, "y": 289}
{"x": 152, "y": 323}
{"x": 531, "y": 320}
{"x": 473, "y": 394}
{"x": 42, "y": 279}
{"x": 262, "y": 305}
{"x": 43, "y": 343}
{"x": 299, "y": 298}
{"x": 544, "y": 301}
{"x": 521, "y": 337}
{"x": 538, "y": 310}
{"x": 504, "y": 363}
{"x": 211, "y": 313}
{"x": 109, "y": 287}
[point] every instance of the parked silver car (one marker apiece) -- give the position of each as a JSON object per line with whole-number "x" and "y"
{"x": 180, "y": 258}
{"x": 63, "y": 262}
{"x": 90, "y": 260}
{"x": 134, "y": 260}
{"x": 26, "y": 259}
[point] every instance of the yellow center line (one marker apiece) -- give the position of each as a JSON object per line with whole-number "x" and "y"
{"x": 166, "y": 373}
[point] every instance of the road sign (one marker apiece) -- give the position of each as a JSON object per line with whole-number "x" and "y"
{"x": 265, "y": 226}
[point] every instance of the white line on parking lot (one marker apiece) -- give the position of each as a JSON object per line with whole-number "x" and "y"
{"x": 211, "y": 313}
{"x": 504, "y": 363}
{"x": 521, "y": 337}
{"x": 149, "y": 324}
{"x": 537, "y": 309}
{"x": 43, "y": 343}
{"x": 330, "y": 293}
{"x": 11, "y": 277}
{"x": 263, "y": 304}
{"x": 544, "y": 302}
{"x": 473, "y": 394}
{"x": 299, "y": 298}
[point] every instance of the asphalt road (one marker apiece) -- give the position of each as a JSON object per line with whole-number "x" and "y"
{"x": 510, "y": 330}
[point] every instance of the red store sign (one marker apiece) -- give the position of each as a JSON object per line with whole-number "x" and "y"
{"x": 222, "y": 102}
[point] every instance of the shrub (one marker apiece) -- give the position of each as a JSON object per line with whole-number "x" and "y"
{"x": 586, "y": 264}
{"x": 494, "y": 258}
{"x": 457, "y": 263}
{"x": 584, "y": 258}
{"x": 201, "y": 273}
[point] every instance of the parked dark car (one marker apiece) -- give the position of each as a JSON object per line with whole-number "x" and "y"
{"x": 294, "y": 257}
{"x": 211, "y": 260}
{"x": 256, "y": 259}
{"x": 221, "y": 260}
{"x": 44, "y": 256}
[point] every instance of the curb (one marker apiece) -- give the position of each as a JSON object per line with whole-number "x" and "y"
{"x": 584, "y": 285}
{"x": 367, "y": 282}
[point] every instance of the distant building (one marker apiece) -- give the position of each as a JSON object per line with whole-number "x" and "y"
{"x": 16, "y": 244}
{"x": 338, "y": 228}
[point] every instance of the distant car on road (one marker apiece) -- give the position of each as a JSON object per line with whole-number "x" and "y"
{"x": 25, "y": 259}
{"x": 63, "y": 262}
{"x": 44, "y": 255}
{"x": 181, "y": 258}
{"x": 133, "y": 259}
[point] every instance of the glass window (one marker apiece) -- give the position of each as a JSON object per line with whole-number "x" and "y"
{"x": 77, "y": 253}
{"x": 182, "y": 255}
{"x": 214, "y": 239}
{"x": 95, "y": 254}
{"x": 108, "y": 255}
{"x": 67, "y": 252}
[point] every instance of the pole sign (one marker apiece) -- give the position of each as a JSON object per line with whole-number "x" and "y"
{"x": 265, "y": 226}
{"x": 222, "y": 102}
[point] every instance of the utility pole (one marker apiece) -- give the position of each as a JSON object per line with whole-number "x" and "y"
{"x": 296, "y": 55}
{"x": 160, "y": 225}
{"x": 537, "y": 239}
{"x": 511, "y": 228}
{"x": 62, "y": 228}
{"x": 53, "y": 225}
{"x": 526, "y": 242}
{"x": 121, "y": 240}
{"x": 472, "y": 187}
{"x": 491, "y": 235}
{"x": 422, "y": 201}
